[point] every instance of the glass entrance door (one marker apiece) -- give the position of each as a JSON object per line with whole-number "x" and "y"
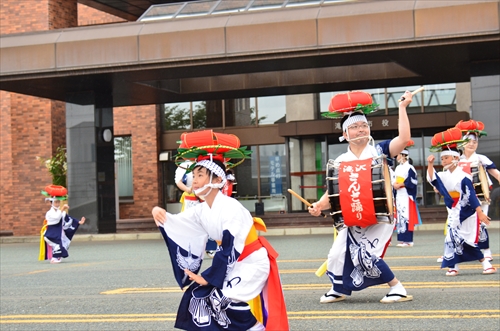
{"x": 307, "y": 158}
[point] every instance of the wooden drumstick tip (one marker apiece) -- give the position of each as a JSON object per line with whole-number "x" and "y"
{"x": 420, "y": 89}
{"x": 304, "y": 201}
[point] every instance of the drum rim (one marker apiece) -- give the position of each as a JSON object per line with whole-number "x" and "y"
{"x": 483, "y": 179}
{"x": 388, "y": 188}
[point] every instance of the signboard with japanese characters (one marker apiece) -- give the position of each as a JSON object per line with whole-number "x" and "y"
{"x": 356, "y": 195}
{"x": 275, "y": 175}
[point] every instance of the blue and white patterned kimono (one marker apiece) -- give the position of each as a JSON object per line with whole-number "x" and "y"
{"x": 407, "y": 214}
{"x": 60, "y": 230}
{"x": 475, "y": 159}
{"x": 222, "y": 304}
{"x": 460, "y": 244}
{"x": 355, "y": 259}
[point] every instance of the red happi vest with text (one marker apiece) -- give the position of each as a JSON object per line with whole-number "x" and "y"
{"x": 356, "y": 194}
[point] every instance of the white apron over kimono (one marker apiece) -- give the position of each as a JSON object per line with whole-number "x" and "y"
{"x": 355, "y": 258}
{"x": 474, "y": 160}
{"x": 406, "y": 208}
{"x": 460, "y": 244}
{"x": 222, "y": 304}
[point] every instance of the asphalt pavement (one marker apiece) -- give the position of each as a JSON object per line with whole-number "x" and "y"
{"x": 113, "y": 283}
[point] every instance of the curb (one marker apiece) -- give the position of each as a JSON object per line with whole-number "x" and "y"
{"x": 157, "y": 235}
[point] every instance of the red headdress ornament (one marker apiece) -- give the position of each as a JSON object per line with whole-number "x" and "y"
{"x": 450, "y": 138}
{"x": 471, "y": 126}
{"x": 206, "y": 144}
{"x": 55, "y": 191}
{"x": 343, "y": 103}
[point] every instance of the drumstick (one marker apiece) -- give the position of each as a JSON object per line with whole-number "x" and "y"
{"x": 302, "y": 199}
{"x": 420, "y": 89}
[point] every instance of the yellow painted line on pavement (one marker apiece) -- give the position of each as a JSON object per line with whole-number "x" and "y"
{"x": 294, "y": 287}
{"x": 36, "y": 272}
{"x": 418, "y": 257}
{"x": 86, "y": 318}
{"x": 144, "y": 290}
{"x": 55, "y": 267}
{"x": 393, "y": 314}
{"x": 466, "y": 284}
{"x": 293, "y": 315}
{"x": 477, "y": 266}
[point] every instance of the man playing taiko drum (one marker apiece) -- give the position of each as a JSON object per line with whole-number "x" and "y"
{"x": 473, "y": 131}
{"x": 355, "y": 258}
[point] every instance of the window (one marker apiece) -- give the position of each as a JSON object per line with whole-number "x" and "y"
{"x": 271, "y": 110}
{"x": 239, "y": 112}
{"x": 273, "y": 170}
{"x": 123, "y": 160}
{"x": 176, "y": 116}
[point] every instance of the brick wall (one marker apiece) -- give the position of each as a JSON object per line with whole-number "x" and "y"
{"x": 30, "y": 126}
{"x": 6, "y": 196}
{"x": 90, "y": 16}
{"x": 140, "y": 122}
{"x": 33, "y": 127}
{"x": 23, "y": 16}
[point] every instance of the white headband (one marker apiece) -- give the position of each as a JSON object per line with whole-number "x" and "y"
{"x": 450, "y": 152}
{"x": 469, "y": 136}
{"x": 405, "y": 152}
{"x": 214, "y": 168}
{"x": 355, "y": 117}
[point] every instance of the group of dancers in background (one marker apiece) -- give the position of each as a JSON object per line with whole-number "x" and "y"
{"x": 241, "y": 290}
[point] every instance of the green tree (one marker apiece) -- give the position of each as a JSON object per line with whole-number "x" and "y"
{"x": 57, "y": 166}
{"x": 200, "y": 115}
{"x": 176, "y": 118}
{"x": 253, "y": 119}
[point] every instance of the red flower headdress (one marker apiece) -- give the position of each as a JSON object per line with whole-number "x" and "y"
{"x": 206, "y": 144}
{"x": 471, "y": 126}
{"x": 344, "y": 103}
{"x": 55, "y": 191}
{"x": 450, "y": 138}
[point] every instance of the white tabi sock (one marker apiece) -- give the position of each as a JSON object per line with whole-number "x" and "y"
{"x": 398, "y": 288}
{"x": 334, "y": 293}
{"x": 257, "y": 327}
{"x": 487, "y": 252}
{"x": 486, "y": 264}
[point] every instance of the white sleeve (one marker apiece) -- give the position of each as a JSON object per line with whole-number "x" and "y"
{"x": 485, "y": 161}
{"x": 188, "y": 221}
{"x": 429, "y": 179}
{"x": 53, "y": 216}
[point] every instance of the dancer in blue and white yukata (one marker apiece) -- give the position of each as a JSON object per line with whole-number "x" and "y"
{"x": 462, "y": 204}
{"x": 184, "y": 181}
{"x": 241, "y": 290}
{"x": 355, "y": 260}
{"x": 58, "y": 230}
{"x": 470, "y": 155}
{"x": 405, "y": 186}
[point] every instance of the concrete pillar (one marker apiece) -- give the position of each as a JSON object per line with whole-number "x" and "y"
{"x": 300, "y": 107}
{"x": 91, "y": 172}
{"x": 463, "y": 92}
